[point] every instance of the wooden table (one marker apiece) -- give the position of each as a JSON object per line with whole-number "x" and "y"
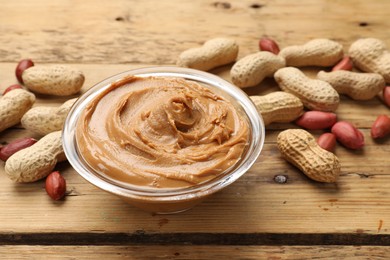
{"x": 256, "y": 217}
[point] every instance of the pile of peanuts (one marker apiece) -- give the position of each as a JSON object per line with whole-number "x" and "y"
{"x": 28, "y": 159}
{"x": 309, "y": 103}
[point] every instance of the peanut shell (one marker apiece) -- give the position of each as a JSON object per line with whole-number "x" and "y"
{"x": 43, "y": 120}
{"x": 37, "y": 161}
{"x": 358, "y": 86}
{"x": 278, "y": 107}
{"x": 252, "y": 69}
{"x": 300, "y": 148}
{"x": 13, "y": 105}
{"x": 371, "y": 55}
{"x": 214, "y": 53}
{"x": 56, "y": 80}
{"x": 315, "y": 94}
{"x": 317, "y": 52}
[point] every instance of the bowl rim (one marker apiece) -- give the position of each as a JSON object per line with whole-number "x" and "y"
{"x": 254, "y": 149}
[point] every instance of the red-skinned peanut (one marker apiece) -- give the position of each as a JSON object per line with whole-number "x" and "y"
{"x": 55, "y": 185}
{"x": 315, "y": 120}
{"x": 7, "y": 150}
{"x": 381, "y": 127}
{"x": 267, "y": 44}
{"x": 344, "y": 64}
{"x": 386, "y": 95}
{"x": 12, "y": 87}
{"x": 348, "y": 135}
{"x": 21, "y": 67}
{"x": 327, "y": 141}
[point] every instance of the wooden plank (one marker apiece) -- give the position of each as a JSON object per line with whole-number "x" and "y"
{"x": 110, "y": 37}
{"x": 155, "y": 32}
{"x": 195, "y": 252}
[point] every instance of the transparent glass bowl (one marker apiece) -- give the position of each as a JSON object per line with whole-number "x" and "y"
{"x": 168, "y": 200}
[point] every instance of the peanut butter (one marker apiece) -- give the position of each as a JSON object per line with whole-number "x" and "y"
{"x": 161, "y": 132}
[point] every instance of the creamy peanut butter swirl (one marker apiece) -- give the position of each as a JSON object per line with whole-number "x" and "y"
{"x": 161, "y": 132}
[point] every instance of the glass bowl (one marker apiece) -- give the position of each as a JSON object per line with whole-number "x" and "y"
{"x": 163, "y": 201}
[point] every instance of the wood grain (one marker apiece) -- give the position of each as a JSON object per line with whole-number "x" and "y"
{"x": 109, "y": 37}
{"x": 357, "y": 204}
{"x": 195, "y": 252}
{"x": 155, "y": 32}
